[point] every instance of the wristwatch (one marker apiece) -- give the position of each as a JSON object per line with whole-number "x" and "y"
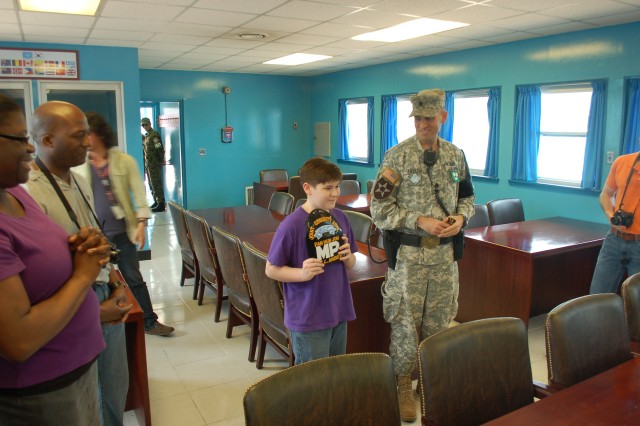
{"x": 115, "y": 284}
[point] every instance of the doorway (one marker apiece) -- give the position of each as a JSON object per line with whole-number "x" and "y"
{"x": 166, "y": 118}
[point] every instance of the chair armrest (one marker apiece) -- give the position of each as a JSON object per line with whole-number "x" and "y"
{"x": 543, "y": 390}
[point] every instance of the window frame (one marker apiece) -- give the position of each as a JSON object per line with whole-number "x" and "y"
{"x": 369, "y": 101}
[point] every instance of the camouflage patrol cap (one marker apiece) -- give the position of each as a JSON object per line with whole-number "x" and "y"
{"x": 145, "y": 121}
{"x": 427, "y": 103}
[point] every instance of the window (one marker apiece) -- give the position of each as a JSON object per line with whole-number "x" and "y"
{"x": 355, "y": 122}
{"x": 474, "y": 129}
{"x": 559, "y": 134}
{"x": 471, "y": 127}
{"x": 564, "y": 122}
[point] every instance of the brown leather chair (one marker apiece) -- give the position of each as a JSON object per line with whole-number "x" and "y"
{"x": 631, "y": 301}
{"x": 507, "y": 210}
{"x": 349, "y": 187}
{"x": 370, "y": 183}
{"x": 360, "y": 224}
{"x": 242, "y": 308}
{"x": 189, "y": 261}
{"x": 295, "y": 189}
{"x": 300, "y": 202}
{"x": 267, "y": 294}
{"x": 268, "y": 175}
{"x": 343, "y": 390}
{"x": 475, "y": 372}
{"x": 349, "y": 176}
{"x": 585, "y": 336}
{"x": 281, "y": 202}
{"x": 205, "y": 249}
{"x": 480, "y": 218}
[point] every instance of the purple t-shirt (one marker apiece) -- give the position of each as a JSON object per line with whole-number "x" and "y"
{"x": 325, "y": 300}
{"x": 35, "y": 248}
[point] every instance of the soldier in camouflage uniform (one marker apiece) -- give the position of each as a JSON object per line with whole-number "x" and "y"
{"x": 420, "y": 296}
{"x": 154, "y": 160}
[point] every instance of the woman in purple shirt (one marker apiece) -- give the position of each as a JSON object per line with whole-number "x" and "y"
{"x": 50, "y": 331}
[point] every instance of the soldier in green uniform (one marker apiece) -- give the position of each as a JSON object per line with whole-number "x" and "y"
{"x": 154, "y": 160}
{"x": 422, "y": 197}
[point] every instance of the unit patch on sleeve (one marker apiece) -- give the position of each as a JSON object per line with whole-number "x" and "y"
{"x": 385, "y": 184}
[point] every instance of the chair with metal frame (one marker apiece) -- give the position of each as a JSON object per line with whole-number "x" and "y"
{"x": 506, "y": 210}
{"x": 349, "y": 187}
{"x": 268, "y": 175}
{"x": 631, "y": 300}
{"x": 281, "y": 202}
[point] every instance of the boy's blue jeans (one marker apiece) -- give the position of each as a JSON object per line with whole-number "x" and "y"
{"x": 310, "y": 345}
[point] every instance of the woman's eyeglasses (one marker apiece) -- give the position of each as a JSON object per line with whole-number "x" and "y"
{"x": 22, "y": 139}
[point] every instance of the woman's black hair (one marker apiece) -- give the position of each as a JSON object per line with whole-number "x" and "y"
{"x": 99, "y": 126}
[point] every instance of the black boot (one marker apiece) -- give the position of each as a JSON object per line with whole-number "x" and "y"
{"x": 154, "y": 205}
{"x": 159, "y": 208}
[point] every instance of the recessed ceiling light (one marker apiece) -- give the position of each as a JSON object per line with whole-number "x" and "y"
{"x": 297, "y": 59}
{"x": 252, "y": 36}
{"x": 75, "y": 7}
{"x": 408, "y": 30}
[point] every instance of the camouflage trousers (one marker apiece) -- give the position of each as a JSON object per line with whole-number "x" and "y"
{"x": 154, "y": 175}
{"x": 419, "y": 300}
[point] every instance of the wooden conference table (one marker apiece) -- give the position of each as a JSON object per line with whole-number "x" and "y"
{"x": 526, "y": 268}
{"x": 262, "y": 191}
{"x": 610, "y": 398}
{"x": 357, "y": 202}
{"x": 138, "y": 394}
{"x": 368, "y": 332}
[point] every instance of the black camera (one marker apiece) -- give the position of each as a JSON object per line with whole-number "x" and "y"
{"x": 622, "y": 218}
{"x": 114, "y": 254}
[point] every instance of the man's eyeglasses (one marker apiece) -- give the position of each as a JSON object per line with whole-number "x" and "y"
{"x": 22, "y": 139}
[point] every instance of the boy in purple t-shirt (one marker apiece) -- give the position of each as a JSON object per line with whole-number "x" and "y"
{"x": 317, "y": 295}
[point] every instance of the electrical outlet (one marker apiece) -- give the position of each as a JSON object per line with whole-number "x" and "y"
{"x": 610, "y": 157}
{"x": 295, "y": 124}
{"x": 202, "y": 151}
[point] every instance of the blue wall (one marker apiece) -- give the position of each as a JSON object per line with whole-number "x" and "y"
{"x": 611, "y": 53}
{"x": 99, "y": 63}
{"x": 261, "y": 109}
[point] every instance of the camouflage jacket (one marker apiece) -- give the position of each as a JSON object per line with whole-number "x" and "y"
{"x": 153, "y": 148}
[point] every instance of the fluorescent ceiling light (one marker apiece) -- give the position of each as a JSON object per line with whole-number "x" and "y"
{"x": 408, "y": 30}
{"x": 297, "y": 59}
{"x": 76, "y": 7}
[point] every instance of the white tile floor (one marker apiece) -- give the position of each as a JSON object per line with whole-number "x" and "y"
{"x": 197, "y": 376}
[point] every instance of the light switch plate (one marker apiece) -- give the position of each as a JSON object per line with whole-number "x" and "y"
{"x": 202, "y": 151}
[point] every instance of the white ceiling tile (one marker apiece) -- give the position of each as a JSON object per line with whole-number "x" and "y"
{"x": 10, "y": 29}
{"x": 477, "y": 14}
{"x": 114, "y": 42}
{"x": 615, "y": 19}
{"x": 56, "y": 19}
{"x": 122, "y": 24}
{"x": 348, "y": 43}
{"x": 257, "y": 55}
{"x": 122, "y": 9}
{"x": 120, "y": 35}
{"x": 215, "y": 17}
{"x": 310, "y": 10}
{"x": 589, "y": 9}
{"x": 336, "y": 30}
{"x": 32, "y": 38}
{"x": 507, "y": 38}
{"x": 268, "y": 23}
{"x": 245, "y": 6}
{"x": 371, "y": 19}
{"x": 214, "y": 50}
{"x": 55, "y": 31}
{"x": 219, "y": 67}
{"x": 329, "y": 51}
{"x": 527, "y": 22}
{"x": 357, "y": 3}
{"x": 156, "y": 2}
{"x": 8, "y": 17}
{"x": 11, "y": 36}
{"x": 476, "y": 31}
{"x": 308, "y": 39}
{"x": 167, "y": 46}
{"x": 235, "y": 43}
{"x": 191, "y": 56}
{"x": 532, "y": 6}
{"x": 196, "y": 29}
{"x": 284, "y": 48}
{"x": 7, "y": 4}
{"x": 169, "y": 66}
{"x": 564, "y": 28}
{"x": 418, "y": 8}
{"x": 182, "y": 39}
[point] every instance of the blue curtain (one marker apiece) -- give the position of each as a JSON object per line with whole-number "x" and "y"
{"x": 526, "y": 138}
{"x": 493, "y": 111}
{"x": 370, "y": 129}
{"x": 389, "y": 132}
{"x": 343, "y": 129}
{"x": 446, "y": 131}
{"x": 595, "y": 137}
{"x": 630, "y": 142}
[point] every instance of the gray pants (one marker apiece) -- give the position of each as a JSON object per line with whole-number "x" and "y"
{"x": 74, "y": 405}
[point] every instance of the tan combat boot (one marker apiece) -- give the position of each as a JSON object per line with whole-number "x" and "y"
{"x": 406, "y": 400}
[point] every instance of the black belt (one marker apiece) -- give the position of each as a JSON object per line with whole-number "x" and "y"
{"x": 418, "y": 241}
